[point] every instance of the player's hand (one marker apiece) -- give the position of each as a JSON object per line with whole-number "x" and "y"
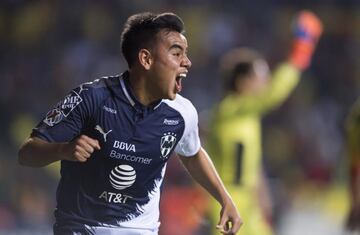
{"x": 80, "y": 149}
{"x": 230, "y": 220}
{"x": 353, "y": 220}
{"x": 307, "y": 31}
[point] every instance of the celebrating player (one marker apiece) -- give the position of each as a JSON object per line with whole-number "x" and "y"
{"x": 114, "y": 136}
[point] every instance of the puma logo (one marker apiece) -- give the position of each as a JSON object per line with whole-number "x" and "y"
{"x": 99, "y": 128}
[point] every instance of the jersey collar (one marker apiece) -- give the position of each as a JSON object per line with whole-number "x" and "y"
{"x": 125, "y": 87}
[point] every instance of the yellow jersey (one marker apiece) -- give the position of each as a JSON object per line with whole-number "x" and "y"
{"x": 235, "y": 131}
{"x": 235, "y": 146}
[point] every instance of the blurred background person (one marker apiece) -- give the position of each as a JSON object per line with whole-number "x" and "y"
{"x": 235, "y": 132}
{"x": 353, "y": 152}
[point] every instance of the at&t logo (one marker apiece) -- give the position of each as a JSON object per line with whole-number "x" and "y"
{"x": 122, "y": 177}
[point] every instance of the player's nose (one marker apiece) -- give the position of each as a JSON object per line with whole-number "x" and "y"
{"x": 186, "y": 62}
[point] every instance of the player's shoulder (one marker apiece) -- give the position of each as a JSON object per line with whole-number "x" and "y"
{"x": 94, "y": 93}
{"x": 101, "y": 83}
{"x": 183, "y": 105}
{"x": 99, "y": 88}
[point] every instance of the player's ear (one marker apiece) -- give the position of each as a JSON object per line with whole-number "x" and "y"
{"x": 145, "y": 58}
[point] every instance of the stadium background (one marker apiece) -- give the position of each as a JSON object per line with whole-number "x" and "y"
{"x": 49, "y": 47}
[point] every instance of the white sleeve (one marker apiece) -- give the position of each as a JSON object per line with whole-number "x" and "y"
{"x": 189, "y": 143}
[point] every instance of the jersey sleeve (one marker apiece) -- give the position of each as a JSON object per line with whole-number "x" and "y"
{"x": 67, "y": 119}
{"x": 189, "y": 143}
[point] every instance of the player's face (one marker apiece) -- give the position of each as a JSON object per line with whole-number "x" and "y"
{"x": 170, "y": 64}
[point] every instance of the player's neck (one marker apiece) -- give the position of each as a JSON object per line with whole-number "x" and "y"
{"x": 139, "y": 89}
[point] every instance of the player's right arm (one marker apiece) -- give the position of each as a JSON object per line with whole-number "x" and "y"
{"x": 59, "y": 135}
{"x": 36, "y": 152}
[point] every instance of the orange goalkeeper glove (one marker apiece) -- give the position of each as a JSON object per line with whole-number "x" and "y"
{"x": 307, "y": 31}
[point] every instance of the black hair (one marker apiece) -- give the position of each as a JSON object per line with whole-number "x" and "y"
{"x": 238, "y": 64}
{"x": 140, "y": 30}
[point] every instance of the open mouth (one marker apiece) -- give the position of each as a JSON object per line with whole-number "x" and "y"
{"x": 178, "y": 85}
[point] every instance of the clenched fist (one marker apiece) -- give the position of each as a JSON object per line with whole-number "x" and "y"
{"x": 80, "y": 149}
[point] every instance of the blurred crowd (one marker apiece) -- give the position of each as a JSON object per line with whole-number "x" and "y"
{"x": 50, "y": 47}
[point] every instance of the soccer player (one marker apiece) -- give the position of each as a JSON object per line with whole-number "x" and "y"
{"x": 353, "y": 148}
{"x": 235, "y": 130}
{"x": 114, "y": 136}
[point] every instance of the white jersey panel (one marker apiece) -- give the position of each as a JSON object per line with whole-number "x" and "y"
{"x": 189, "y": 143}
{"x": 146, "y": 223}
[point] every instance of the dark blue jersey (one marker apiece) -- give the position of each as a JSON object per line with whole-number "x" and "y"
{"x": 119, "y": 185}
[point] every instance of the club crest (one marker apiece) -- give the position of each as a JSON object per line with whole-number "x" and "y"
{"x": 166, "y": 144}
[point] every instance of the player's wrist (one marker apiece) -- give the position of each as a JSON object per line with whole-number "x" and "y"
{"x": 61, "y": 151}
{"x": 226, "y": 201}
